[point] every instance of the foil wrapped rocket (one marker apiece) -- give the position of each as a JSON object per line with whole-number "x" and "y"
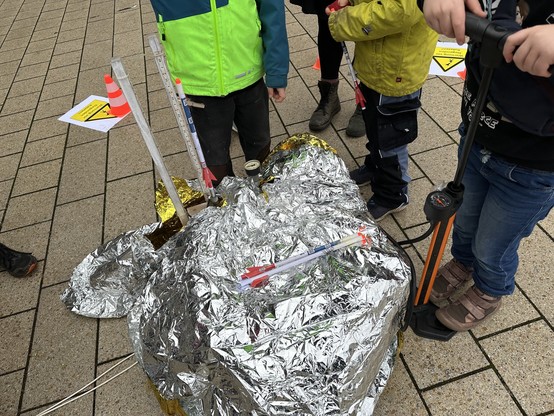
{"x": 318, "y": 339}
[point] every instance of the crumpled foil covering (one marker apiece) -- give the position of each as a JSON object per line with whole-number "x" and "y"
{"x": 108, "y": 281}
{"x": 319, "y": 339}
{"x": 187, "y": 194}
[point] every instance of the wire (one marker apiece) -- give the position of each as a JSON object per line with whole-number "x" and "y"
{"x": 420, "y": 238}
{"x": 71, "y": 397}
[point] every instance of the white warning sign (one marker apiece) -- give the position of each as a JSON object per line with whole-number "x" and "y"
{"x": 92, "y": 113}
{"x": 448, "y": 60}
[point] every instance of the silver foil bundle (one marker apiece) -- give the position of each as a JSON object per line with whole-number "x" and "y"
{"x": 108, "y": 281}
{"x": 318, "y": 339}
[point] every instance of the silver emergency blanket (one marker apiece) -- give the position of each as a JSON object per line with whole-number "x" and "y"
{"x": 108, "y": 281}
{"x": 318, "y": 339}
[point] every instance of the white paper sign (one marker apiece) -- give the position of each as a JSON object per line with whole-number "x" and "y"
{"x": 92, "y": 113}
{"x": 448, "y": 60}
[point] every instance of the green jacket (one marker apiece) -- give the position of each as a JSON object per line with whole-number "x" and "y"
{"x": 220, "y": 46}
{"x": 394, "y": 45}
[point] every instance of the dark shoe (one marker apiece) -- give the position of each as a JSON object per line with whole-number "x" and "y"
{"x": 356, "y": 125}
{"x": 378, "y": 212}
{"x": 328, "y": 106}
{"x": 362, "y": 175}
{"x": 17, "y": 264}
{"x": 450, "y": 277}
{"x": 470, "y": 310}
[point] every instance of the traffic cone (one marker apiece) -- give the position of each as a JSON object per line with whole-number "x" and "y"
{"x": 119, "y": 106}
{"x": 317, "y": 65}
{"x": 462, "y": 74}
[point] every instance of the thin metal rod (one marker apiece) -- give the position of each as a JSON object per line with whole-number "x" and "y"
{"x": 127, "y": 89}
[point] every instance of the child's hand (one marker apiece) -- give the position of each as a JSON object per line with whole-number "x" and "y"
{"x": 532, "y": 50}
{"x": 278, "y": 94}
{"x": 336, "y": 5}
{"x": 448, "y": 17}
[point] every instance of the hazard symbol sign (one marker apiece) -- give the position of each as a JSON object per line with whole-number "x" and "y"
{"x": 448, "y": 59}
{"x": 92, "y": 113}
{"x": 95, "y": 110}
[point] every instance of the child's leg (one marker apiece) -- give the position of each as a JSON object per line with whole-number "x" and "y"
{"x": 329, "y": 50}
{"x": 466, "y": 223}
{"x": 330, "y": 56}
{"x": 252, "y": 120}
{"x": 214, "y": 125}
{"x": 391, "y": 123}
{"x": 516, "y": 200}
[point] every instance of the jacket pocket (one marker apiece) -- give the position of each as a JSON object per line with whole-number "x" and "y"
{"x": 397, "y": 123}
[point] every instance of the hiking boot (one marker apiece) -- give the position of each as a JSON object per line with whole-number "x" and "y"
{"x": 450, "y": 277}
{"x": 356, "y": 125}
{"x": 328, "y": 106}
{"x": 361, "y": 176}
{"x": 470, "y": 310}
{"x": 16, "y": 263}
{"x": 378, "y": 212}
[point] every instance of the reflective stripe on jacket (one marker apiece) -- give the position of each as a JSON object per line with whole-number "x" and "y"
{"x": 394, "y": 44}
{"x": 220, "y": 46}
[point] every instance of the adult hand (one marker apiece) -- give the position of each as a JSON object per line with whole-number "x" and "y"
{"x": 278, "y": 94}
{"x": 532, "y": 49}
{"x": 448, "y": 17}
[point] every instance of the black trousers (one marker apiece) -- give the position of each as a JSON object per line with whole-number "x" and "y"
{"x": 391, "y": 123}
{"x": 329, "y": 50}
{"x": 247, "y": 108}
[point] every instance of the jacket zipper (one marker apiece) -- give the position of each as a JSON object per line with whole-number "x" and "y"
{"x": 213, "y": 5}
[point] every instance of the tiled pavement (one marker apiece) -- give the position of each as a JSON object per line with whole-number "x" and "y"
{"x": 64, "y": 190}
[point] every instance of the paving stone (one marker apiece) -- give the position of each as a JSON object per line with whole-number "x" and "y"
{"x": 57, "y": 369}
{"x": 76, "y": 232}
{"x": 12, "y": 143}
{"x": 478, "y": 394}
{"x": 37, "y": 177}
{"x": 132, "y": 388}
{"x": 29, "y": 209}
{"x": 523, "y": 359}
{"x": 10, "y": 389}
{"x": 83, "y": 172}
{"x": 14, "y": 345}
{"x": 43, "y": 150}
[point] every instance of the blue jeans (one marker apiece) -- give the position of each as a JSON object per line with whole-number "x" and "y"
{"x": 502, "y": 203}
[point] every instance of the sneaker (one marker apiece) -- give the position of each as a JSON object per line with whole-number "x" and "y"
{"x": 378, "y": 212}
{"x": 356, "y": 125}
{"x": 450, "y": 278}
{"x": 16, "y": 263}
{"x": 470, "y": 310}
{"x": 362, "y": 175}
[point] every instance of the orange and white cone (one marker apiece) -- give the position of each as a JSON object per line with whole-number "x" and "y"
{"x": 119, "y": 106}
{"x": 317, "y": 65}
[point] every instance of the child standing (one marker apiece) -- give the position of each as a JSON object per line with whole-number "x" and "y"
{"x": 221, "y": 50}
{"x": 509, "y": 178}
{"x": 394, "y": 47}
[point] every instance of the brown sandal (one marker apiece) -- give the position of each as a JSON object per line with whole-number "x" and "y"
{"x": 470, "y": 310}
{"x": 450, "y": 277}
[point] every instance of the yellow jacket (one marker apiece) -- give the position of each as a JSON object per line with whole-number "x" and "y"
{"x": 394, "y": 45}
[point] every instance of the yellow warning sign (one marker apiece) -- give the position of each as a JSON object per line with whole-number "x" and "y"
{"x": 448, "y": 58}
{"x": 93, "y": 111}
